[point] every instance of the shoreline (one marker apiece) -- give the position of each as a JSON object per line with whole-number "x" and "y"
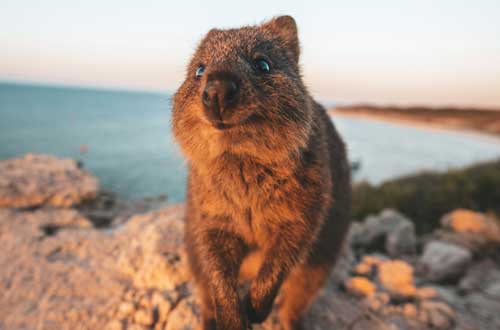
{"x": 405, "y": 120}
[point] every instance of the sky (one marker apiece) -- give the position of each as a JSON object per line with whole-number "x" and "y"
{"x": 439, "y": 52}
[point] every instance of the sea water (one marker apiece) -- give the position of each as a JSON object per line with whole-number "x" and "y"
{"x": 124, "y": 138}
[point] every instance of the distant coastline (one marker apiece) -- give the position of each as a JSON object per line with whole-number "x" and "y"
{"x": 484, "y": 121}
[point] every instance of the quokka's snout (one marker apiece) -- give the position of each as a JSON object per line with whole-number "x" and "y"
{"x": 220, "y": 96}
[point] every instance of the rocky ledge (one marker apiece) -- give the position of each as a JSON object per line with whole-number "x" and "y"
{"x": 35, "y": 180}
{"x": 60, "y": 269}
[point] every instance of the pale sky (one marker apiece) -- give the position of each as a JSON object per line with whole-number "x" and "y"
{"x": 387, "y": 51}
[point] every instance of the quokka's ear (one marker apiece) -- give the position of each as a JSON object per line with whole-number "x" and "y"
{"x": 285, "y": 28}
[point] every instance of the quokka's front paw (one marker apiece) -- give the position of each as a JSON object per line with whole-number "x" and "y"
{"x": 241, "y": 324}
{"x": 256, "y": 310}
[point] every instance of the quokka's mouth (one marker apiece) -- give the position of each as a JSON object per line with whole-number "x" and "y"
{"x": 221, "y": 125}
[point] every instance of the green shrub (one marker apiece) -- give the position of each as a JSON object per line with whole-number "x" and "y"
{"x": 425, "y": 197}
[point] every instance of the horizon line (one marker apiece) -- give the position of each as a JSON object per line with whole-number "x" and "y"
{"x": 327, "y": 103}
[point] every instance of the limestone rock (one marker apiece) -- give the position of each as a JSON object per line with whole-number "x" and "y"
{"x": 132, "y": 277}
{"x": 57, "y": 271}
{"x": 410, "y": 310}
{"x": 343, "y": 266}
{"x": 184, "y": 316}
{"x": 472, "y": 230}
{"x": 360, "y": 286}
{"x": 35, "y": 180}
{"x": 466, "y": 221}
{"x": 482, "y": 307}
{"x": 493, "y": 290}
{"x": 393, "y": 293}
{"x": 392, "y": 276}
{"x": 483, "y": 276}
{"x": 401, "y": 240}
{"x": 114, "y": 325}
{"x": 73, "y": 279}
{"x": 144, "y": 317}
{"x": 444, "y": 261}
{"x": 396, "y": 276}
{"x": 156, "y": 258}
{"x": 425, "y": 293}
{"x": 389, "y": 231}
{"x": 439, "y": 314}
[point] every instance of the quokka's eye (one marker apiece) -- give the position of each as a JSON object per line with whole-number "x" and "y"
{"x": 199, "y": 71}
{"x": 262, "y": 65}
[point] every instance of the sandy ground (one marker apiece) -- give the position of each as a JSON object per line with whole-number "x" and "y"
{"x": 438, "y": 125}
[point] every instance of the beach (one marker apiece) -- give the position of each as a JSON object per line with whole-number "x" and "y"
{"x": 477, "y": 121}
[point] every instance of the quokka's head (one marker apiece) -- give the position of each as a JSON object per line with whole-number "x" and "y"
{"x": 243, "y": 95}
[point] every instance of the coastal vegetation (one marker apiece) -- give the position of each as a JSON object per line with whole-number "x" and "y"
{"x": 428, "y": 195}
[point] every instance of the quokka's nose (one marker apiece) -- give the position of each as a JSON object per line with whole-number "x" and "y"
{"x": 221, "y": 93}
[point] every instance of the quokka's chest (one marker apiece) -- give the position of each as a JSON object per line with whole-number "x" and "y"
{"x": 241, "y": 188}
{"x": 246, "y": 185}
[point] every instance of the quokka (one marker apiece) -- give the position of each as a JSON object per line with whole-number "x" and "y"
{"x": 269, "y": 181}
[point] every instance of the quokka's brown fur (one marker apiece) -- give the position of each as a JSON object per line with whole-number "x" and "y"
{"x": 269, "y": 182}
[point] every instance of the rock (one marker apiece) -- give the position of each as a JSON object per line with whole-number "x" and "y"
{"x": 426, "y": 293}
{"x": 483, "y": 276}
{"x": 360, "y": 286}
{"x": 449, "y": 295}
{"x": 114, "y": 325}
{"x": 484, "y": 308}
{"x": 343, "y": 266}
{"x": 389, "y": 231}
{"x": 335, "y": 309}
{"x": 368, "y": 264}
{"x": 478, "y": 245}
{"x": 107, "y": 209}
{"x": 465, "y": 221}
{"x": 393, "y": 276}
{"x": 74, "y": 279}
{"x": 161, "y": 303}
{"x": 439, "y": 314}
{"x": 378, "y": 301}
{"x": 144, "y": 317}
{"x": 35, "y": 180}
{"x": 410, "y": 310}
{"x": 57, "y": 271}
{"x": 135, "y": 326}
{"x": 156, "y": 258}
{"x": 396, "y": 296}
{"x": 126, "y": 309}
{"x": 184, "y": 316}
{"x": 364, "y": 269}
{"x": 396, "y": 276}
{"x": 493, "y": 290}
{"x": 402, "y": 239}
{"x": 473, "y": 230}
{"x": 131, "y": 277}
{"x": 423, "y": 316}
{"x": 443, "y": 261}
{"x": 373, "y": 303}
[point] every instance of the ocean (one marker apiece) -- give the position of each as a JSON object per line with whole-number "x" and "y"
{"x": 128, "y": 143}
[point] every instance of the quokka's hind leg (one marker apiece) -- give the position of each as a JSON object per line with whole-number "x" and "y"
{"x": 298, "y": 292}
{"x": 206, "y": 307}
